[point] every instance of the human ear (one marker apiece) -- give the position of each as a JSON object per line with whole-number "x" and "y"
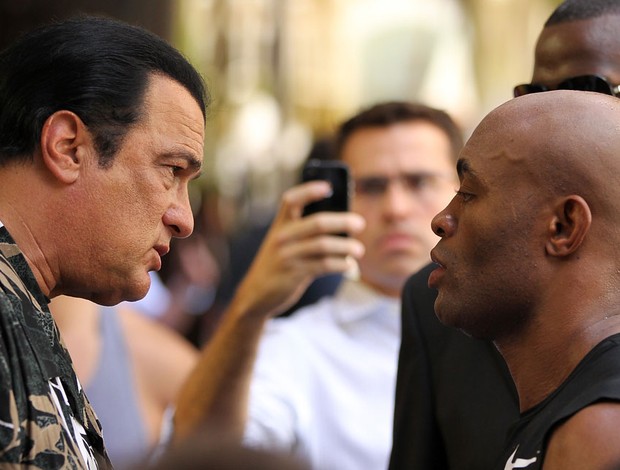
{"x": 567, "y": 229}
{"x": 63, "y": 139}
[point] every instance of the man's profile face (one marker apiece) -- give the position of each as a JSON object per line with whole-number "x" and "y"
{"x": 132, "y": 209}
{"x": 583, "y": 47}
{"x": 486, "y": 250}
{"x": 403, "y": 174}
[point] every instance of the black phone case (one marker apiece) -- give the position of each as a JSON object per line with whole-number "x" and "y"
{"x": 337, "y": 174}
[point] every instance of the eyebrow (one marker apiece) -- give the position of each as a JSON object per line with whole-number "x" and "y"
{"x": 193, "y": 164}
{"x": 463, "y": 167}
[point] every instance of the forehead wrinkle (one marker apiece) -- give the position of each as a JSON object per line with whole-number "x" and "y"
{"x": 188, "y": 135}
{"x": 176, "y": 114}
{"x": 187, "y": 144}
{"x": 495, "y": 156}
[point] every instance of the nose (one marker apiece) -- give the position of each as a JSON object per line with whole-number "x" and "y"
{"x": 179, "y": 217}
{"x": 444, "y": 224}
{"x": 397, "y": 202}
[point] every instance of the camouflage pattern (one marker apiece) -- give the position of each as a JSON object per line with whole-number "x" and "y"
{"x": 45, "y": 419}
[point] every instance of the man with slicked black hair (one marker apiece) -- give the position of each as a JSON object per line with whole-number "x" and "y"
{"x": 101, "y": 130}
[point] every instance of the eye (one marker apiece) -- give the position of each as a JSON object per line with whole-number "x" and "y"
{"x": 466, "y": 197}
{"x": 176, "y": 169}
{"x": 371, "y": 186}
{"x": 419, "y": 181}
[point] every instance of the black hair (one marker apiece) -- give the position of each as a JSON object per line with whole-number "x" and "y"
{"x": 98, "y": 68}
{"x": 394, "y": 112}
{"x": 573, "y": 10}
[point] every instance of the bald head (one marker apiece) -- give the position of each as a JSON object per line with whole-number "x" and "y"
{"x": 562, "y": 141}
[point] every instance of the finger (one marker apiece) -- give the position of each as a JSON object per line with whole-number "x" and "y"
{"x": 296, "y": 198}
{"x": 315, "y": 267}
{"x": 322, "y": 223}
{"x": 325, "y": 246}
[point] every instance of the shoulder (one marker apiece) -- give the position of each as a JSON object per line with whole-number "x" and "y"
{"x": 156, "y": 350}
{"x": 588, "y": 439}
{"x": 153, "y": 337}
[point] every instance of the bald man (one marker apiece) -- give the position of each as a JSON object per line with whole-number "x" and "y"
{"x": 455, "y": 399}
{"x": 529, "y": 258}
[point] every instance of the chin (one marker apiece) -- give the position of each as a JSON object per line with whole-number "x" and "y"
{"x": 130, "y": 290}
{"x": 108, "y": 299}
{"x": 458, "y": 320}
{"x": 444, "y": 313}
{"x": 138, "y": 291}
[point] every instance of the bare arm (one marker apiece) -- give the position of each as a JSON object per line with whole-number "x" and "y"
{"x": 589, "y": 439}
{"x": 295, "y": 251}
{"x": 161, "y": 361}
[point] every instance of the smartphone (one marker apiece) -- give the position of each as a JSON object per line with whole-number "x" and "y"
{"x": 337, "y": 174}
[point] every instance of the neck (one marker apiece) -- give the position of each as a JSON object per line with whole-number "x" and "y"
{"x": 386, "y": 290}
{"x": 31, "y": 249}
{"x": 23, "y": 230}
{"x": 540, "y": 362}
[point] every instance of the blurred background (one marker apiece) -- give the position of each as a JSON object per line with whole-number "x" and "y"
{"x": 283, "y": 73}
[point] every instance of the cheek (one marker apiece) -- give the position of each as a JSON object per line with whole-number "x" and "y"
{"x": 367, "y": 237}
{"x": 370, "y": 213}
{"x": 357, "y": 206}
{"x": 485, "y": 255}
{"x": 146, "y": 194}
{"x": 476, "y": 249}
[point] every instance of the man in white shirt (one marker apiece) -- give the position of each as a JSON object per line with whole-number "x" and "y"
{"x": 320, "y": 383}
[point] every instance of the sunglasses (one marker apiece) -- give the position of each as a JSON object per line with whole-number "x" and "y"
{"x": 594, "y": 83}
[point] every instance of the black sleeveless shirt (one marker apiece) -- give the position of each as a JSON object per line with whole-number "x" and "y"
{"x": 595, "y": 379}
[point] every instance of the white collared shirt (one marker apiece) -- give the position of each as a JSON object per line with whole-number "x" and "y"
{"x": 324, "y": 381}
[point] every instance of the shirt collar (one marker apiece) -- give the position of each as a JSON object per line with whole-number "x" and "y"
{"x": 357, "y": 300}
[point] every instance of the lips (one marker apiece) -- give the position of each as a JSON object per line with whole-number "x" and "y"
{"x": 397, "y": 241}
{"x": 161, "y": 250}
{"x": 435, "y": 277}
{"x": 436, "y": 259}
